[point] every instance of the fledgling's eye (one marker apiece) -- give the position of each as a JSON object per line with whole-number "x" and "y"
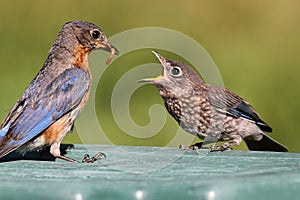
{"x": 175, "y": 71}
{"x": 95, "y": 34}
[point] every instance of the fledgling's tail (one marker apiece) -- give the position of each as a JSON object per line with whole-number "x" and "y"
{"x": 265, "y": 144}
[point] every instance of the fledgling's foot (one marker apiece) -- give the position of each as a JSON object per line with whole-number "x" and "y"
{"x": 225, "y": 146}
{"x": 88, "y": 159}
{"x": 195, "y": 146}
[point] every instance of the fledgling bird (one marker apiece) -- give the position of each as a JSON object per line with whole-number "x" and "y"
{"x": 56, "y": 96}
{"x": 210, "y": 112}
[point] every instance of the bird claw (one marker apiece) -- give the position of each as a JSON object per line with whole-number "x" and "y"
{"x": 225, "y": 146}
{"x": 182, "y": 147}
{"x": 195, "y": 146}
{"x": 88, "y": 159}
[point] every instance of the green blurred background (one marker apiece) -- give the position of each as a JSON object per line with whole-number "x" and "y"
{"x": 255, "y": 45}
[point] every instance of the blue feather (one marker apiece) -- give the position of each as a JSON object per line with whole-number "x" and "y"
{"x": 4, "y": 130}
{"x": 59, "y": 97}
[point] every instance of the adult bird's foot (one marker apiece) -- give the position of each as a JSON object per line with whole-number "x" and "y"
{"x": 88, "y": 159}
{"x": 67, "y": 159}
{"x": 195, "y": 146}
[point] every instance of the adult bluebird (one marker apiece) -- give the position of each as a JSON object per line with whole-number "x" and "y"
{"x": 56, "y": 96}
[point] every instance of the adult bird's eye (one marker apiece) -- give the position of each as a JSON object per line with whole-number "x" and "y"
{"x": 175, "y": 71}
{"x": 95, "y": 34}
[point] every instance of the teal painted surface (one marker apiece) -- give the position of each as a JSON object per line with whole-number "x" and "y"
{"x": 132, "y": 172}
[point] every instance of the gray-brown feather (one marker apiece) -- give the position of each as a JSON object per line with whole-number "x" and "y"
{"x": 206, "y": 110}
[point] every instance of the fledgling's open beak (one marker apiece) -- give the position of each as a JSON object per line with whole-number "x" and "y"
{"x": 162, "y": 60}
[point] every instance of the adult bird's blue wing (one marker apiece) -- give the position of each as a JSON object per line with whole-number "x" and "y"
{"x": 35, "y": 112}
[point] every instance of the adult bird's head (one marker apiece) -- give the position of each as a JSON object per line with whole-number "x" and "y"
{"x": 176, "y": 76}
{"x": 82, "y": 36}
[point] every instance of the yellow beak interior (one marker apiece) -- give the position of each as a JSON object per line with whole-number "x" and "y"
{"x": 150, "y": 79}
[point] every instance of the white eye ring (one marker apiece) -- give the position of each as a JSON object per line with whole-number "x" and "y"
{"x": 96, "y": 34}
{"x": 176, "y": 71}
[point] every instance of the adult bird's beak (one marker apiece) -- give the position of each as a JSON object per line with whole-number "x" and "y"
{"x": 106, "y": 46}
{"x": 162, "y": 60}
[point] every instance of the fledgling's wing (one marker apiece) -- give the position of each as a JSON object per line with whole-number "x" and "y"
{"x": 228, "y": 103}
{"x": 34, "y": 113}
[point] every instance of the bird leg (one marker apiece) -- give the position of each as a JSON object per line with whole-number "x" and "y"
{"x": 227, "y": 145}
{"x": 55, "y": 151}
{"x": 195, "y": 146}
{"x": 67, "y": 159}
{"x": 86, "y": 158}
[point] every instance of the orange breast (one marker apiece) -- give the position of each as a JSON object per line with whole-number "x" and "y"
{"x": 81, "y": 56}
{"x": 57, "y": 130}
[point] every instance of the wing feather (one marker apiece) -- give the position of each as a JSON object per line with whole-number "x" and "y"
{"x": 228, "y": 103}
{"x": 34, "y": 113}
